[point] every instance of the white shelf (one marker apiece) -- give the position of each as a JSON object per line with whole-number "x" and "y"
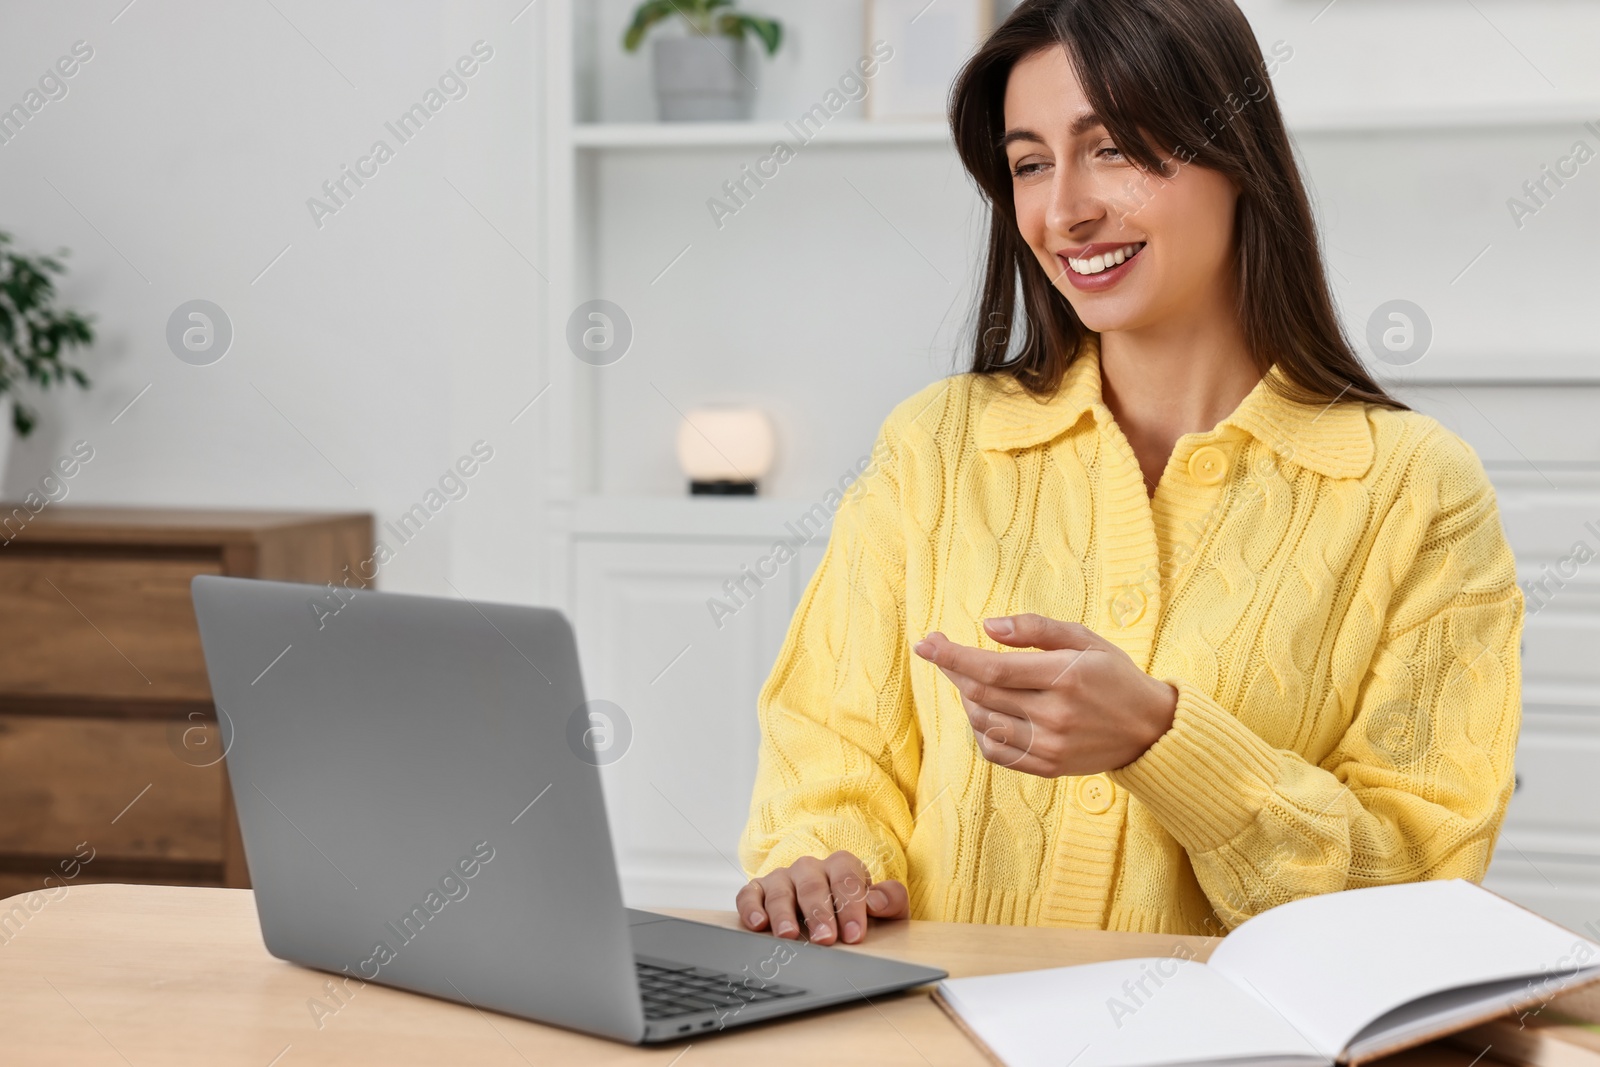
{"x": 1445, "y": 116}
{"x": 696, "y": 517}
{"x": 1301, "y": 120}
{"x": 1480, "y": 369}
{"x": 753, "y": 134}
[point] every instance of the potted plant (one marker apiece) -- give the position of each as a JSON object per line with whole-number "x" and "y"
{"x": 695, "y": 78}
{"x": 34, "y": 334}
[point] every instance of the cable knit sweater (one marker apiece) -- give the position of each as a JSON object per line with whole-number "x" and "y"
{"x": 1328, "y": 587}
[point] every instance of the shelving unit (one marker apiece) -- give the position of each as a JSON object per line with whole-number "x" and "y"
{"x": 577, "y": 143}
{"x": 633, "y": 571}
{"x": 1303, "y": 123}
{"x": 844, "y": 132}
{"x": 636, "y": 563}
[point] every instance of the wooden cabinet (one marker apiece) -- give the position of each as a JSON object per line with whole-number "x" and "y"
{"x": 679, "y": 689}
{"x": 110, "y": 763}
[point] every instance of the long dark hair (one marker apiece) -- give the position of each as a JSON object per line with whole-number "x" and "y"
{"x": 1189, "y": 74}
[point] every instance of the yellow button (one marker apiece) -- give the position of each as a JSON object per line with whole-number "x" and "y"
{"x": 1127, "y": 605}
{"x": 1208, "y": 464}
{"x": 1095, "y": 794}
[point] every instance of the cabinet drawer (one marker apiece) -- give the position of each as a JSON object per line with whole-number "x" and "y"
{"x": 1554, "y": 809}
{"x": 63, "y": 781}
{"x": 109, "y": 628}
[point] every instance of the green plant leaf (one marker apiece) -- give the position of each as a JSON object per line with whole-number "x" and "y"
{"x": 702, "y": 19}
{"x": 769, "y": 30}
{"x": 645, "y": 16}
{"x": 34, "y": 333}
{"x": 735, "y": 24}
{"x": 22, "y": 419}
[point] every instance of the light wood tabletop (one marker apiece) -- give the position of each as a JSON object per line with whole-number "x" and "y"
{"x": 138, "y": 974}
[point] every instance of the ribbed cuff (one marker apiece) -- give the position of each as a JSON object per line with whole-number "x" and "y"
{"x": 884, "y": 859}
{"x": 1207, "y": 777}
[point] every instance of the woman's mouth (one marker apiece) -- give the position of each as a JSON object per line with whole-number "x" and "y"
{"x": 1103, "y": 269}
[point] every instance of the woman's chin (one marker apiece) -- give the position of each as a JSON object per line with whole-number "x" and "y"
{"x": 1111, "y": 314}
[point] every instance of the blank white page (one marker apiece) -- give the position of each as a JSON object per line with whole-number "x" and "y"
{"x": 1064, "y": 1015}
{"x": 1333, "y": 963}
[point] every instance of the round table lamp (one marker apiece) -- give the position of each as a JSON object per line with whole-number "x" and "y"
{"x": 725, "y": 451}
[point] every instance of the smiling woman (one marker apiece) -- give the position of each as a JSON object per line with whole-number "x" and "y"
{"x": 1173, "y": 126}
{"x": 1164, "y": 613}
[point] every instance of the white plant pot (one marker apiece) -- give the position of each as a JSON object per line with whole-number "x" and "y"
{"x": 703, "y": 79}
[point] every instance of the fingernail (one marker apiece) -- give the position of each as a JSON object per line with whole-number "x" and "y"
{"x": 755, "y": 918}
{"x": 821, "y": 931}
{"x": 852, "y": 931}
{"x": 876, "y": 899}
{"x": 786, "y": 927}
{"x": 923, "y": 647}
{"x": 1003, "y": 625}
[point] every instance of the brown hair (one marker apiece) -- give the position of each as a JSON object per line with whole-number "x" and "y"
{"x": 1189, "y": 74}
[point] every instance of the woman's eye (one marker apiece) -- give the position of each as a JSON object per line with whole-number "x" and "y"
{"x": 1112, "y": 149}
{"x": 1026, "y": 170}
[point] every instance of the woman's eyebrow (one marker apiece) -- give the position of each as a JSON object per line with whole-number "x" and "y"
{"x": 1085, "y": 122}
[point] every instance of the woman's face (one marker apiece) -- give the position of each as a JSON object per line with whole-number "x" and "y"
{"x": 1128, "y": 248}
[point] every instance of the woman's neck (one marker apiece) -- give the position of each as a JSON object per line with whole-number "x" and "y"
{"x": 1177, "y": 377}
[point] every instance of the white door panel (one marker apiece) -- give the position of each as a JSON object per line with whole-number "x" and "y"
{"x": 686, "y": 690}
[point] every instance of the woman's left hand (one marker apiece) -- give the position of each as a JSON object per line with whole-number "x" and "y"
{"x": 1078, "y": 706}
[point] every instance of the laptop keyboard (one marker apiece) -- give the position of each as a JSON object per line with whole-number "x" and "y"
{"x": 670, "y": 989}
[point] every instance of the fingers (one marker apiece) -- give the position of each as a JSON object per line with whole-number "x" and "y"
{"x": 981, "y": 699}
{"x": 778, "y": 895}
{"x": 1003, "y": 670}
{"x": 1001, "y": 730}
{"x": 815, "y": 895}
{"x": 750, "y": 903}
{"x": 1030, "y": 630}
{"x": 831, "y": 900}
{"x": 849, "y": 880}
{"x": 1003, "y": 755}
{"x": 888, "y": 900}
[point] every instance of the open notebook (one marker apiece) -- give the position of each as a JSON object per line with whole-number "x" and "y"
{"x": 1342, "y": 977}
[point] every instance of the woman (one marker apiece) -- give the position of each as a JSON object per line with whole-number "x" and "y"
{"x": 1165, "y": 613}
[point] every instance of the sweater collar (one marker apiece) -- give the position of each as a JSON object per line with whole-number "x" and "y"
{"x": 1332, "y": 439}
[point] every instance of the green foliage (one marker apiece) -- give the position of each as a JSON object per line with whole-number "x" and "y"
{"x": 703, "y": 18}
{"x": 33, "y": 333}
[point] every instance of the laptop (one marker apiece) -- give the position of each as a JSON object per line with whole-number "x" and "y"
{"x": 419, "y": 810}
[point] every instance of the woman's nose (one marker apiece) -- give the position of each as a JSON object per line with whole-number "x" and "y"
{"x": 1072, "y": 202}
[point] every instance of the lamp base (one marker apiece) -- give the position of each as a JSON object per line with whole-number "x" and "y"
{"x": 722, "y": 487}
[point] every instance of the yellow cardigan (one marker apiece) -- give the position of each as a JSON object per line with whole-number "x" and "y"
{"x": 1329, "y": 589}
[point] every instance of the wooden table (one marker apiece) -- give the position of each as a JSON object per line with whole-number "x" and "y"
{"x": 139, "y": 974}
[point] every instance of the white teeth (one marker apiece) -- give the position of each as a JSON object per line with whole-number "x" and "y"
{"x": 1096, "y": 264}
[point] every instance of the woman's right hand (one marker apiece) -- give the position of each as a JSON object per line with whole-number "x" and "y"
{"x": 833, "y": 897}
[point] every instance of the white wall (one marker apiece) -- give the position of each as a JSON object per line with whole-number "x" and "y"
{"x": 413, "y": 323}
{"x": 1405, "y": 212}
{"x": 410, "y": 325}
{"x": 390, "y": 339}
{"x": 825, "y": 303}
{"x": 1385, "y": 55}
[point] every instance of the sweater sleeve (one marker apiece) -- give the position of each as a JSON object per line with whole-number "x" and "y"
{"x": 840, "y": 747}
{"x": 1418, "y": 784}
